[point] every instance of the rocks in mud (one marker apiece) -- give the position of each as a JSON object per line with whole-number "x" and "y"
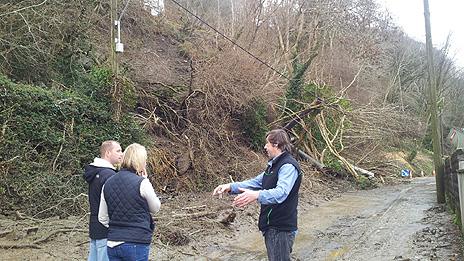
{"x": 436, "y": 240}
{"x": 31, "y": 230}
{"x": 176, "y": 238}
{"x": 228, "y": 219}
{"x": 434, "y": 231}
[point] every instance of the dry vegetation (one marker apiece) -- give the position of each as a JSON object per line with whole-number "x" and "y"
{"x": 193, "y": 87}
{"x": 351, "y": 81}
{"x": 218, "y": 81}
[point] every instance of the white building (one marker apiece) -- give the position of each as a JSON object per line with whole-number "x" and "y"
{"x": 156, "y": 7}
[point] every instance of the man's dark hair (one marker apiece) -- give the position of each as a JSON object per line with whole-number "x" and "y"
{"x": 280, "y": 138}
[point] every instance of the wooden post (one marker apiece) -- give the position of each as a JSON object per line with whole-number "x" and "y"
{"x": 113, "y": 56}
{"x": 436, "y": 135}
{"x": 461, "y": 196}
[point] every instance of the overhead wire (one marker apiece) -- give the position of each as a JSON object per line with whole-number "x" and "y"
{"x": 123, "y": 10}
{"x": 230, "y": 40}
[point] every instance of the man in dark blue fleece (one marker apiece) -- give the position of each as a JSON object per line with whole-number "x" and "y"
{"x": 276, "y": 189}
{"x": 96, "y": 174}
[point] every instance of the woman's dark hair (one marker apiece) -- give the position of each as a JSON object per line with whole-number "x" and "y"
{"x": 280, "y": 138}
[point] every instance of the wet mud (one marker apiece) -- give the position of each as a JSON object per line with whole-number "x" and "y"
{"x": 401, "y": 222}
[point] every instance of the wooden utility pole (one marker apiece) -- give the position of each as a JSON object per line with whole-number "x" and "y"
{"x": 432, "y": 91}
{"x": 113, "y": 55}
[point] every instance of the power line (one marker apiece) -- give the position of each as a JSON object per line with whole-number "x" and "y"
{"x": 123, "y": 10}
{"x": 230, "y": 40}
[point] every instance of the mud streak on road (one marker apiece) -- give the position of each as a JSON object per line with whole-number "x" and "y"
{"x": 379, "y": 224}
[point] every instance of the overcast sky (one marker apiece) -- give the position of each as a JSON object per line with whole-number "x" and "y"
{"x": 446, "y": 16}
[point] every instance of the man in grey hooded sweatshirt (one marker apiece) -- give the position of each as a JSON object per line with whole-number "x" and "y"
{"x": 96, "y": 174}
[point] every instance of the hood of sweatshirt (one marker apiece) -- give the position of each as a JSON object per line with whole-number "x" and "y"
{"x": 91, "y": 170}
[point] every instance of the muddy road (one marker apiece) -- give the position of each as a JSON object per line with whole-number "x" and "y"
{"x": 400, "y": 222}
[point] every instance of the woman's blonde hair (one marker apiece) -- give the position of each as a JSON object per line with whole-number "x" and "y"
{"x": 135, "y": 158}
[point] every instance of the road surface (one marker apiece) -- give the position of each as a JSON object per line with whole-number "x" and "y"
{"x": 400, "y": 222}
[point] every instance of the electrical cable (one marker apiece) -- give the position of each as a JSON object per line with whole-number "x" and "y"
{"x": 123, "y": 10}
{"x": 230, "y": 40}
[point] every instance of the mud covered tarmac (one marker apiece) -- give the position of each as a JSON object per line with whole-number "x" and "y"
{"x": 400, "y": 222}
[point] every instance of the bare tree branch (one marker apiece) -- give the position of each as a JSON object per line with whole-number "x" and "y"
{"x": 24, "y": 8}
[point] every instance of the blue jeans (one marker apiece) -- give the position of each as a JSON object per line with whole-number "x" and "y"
{"x": 129, "y": 252}
{"x": 97, "y": 250}
{"x": 279, "y": 244}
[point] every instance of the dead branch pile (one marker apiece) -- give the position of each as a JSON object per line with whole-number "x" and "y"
{"x": 197, "y": 124}
{"x": 372, "y": 129}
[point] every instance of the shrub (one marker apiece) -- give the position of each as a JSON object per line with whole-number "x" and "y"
{"x": 299, "y": 96}
{"x": 47, "y": 136}
{"x": 411, "y": 156}
{"x": 254, "y": 124}
{"x": 366, "y": 183}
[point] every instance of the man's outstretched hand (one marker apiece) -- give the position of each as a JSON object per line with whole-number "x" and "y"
{"x": 246, "y": 197}
{"x": 221, "y": 189}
